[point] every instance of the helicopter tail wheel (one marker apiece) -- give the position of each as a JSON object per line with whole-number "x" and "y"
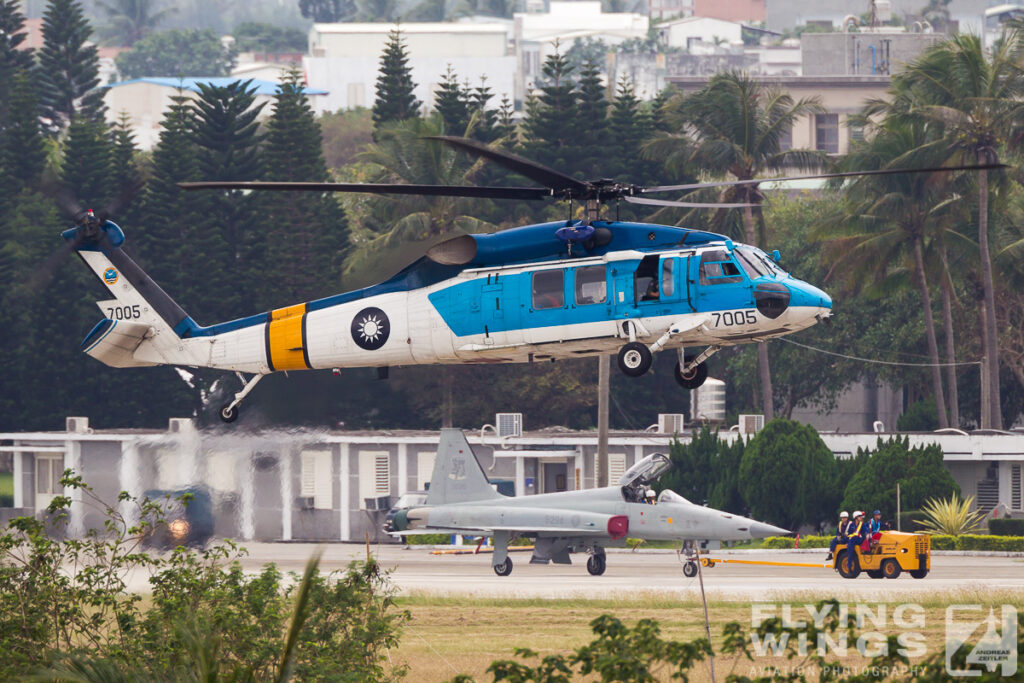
{"x": 634, "y": 359}
{"x": 692, "y": 378}
{"x": 505, "y": 568}
{"x": 228, "y": 412}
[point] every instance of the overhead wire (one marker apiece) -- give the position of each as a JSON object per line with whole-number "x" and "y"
{"x": 877, "y": 361}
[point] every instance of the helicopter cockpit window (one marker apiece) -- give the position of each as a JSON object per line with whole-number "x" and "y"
{"x": 591, "y": 287}
{"x": 751, "y": 263}
{"x": 717, "y": 267}
{"x": 548, "y": 289}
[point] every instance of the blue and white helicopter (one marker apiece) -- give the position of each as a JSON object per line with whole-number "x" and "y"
{"x": 566, "y": 289}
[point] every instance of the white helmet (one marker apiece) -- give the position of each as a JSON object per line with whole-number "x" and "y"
{"x": 857, "y": 514}
{"x": 844, "y": 513}
{"x": 650, "y": 493}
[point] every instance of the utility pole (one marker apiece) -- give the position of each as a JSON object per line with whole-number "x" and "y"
{"x": 986, "y": 398}
{"x": 603, "y": 381}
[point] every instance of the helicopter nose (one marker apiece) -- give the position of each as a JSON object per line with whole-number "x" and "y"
{"x": 807, "y": 295}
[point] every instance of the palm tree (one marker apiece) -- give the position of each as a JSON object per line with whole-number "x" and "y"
{"x": 404, "y": 225}
{"x": 734, "y": 125}
{"x": 894, "y": 218}
{"x": 976, "y": 98}
{"x": 131, "y": 20}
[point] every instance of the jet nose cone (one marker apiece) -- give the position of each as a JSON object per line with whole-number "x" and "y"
{"x": 762, "y": 530}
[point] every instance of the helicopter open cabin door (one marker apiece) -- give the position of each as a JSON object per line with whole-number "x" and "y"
{"x": 657, "y": 285}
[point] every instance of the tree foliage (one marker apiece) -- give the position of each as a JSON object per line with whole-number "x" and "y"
{"x": 787, "y": 474}
{"x": 395, "y": 100}
{"x": 918, "y": 471}
{"x": 68, "y": 65}
{"x": 252, "y": 36}
{"x": 177, "y": 53}
{"x": 706, "y": 471}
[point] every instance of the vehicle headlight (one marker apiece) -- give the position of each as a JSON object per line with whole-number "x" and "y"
{"x": 178, "y": 528}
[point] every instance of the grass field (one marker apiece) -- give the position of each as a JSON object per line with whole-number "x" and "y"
{"x": 6, "y": 489}
{"x": 446, "y": 636}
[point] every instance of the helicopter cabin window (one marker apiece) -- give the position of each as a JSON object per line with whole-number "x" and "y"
{"x": 591, "y": 287}
{"x": 548, "y": 289}
{"x": 668, "y": 283}
{"x": 646, "y": 279}
{"x": 717, "y": 268}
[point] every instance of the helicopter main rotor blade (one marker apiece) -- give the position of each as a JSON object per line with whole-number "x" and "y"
{"x": 484, "y": 192}
{"x": 690, "y": 205}
{"x": 540, "y": 173}
{"x": 816, "y": 176}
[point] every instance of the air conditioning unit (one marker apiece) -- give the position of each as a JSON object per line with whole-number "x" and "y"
{"x": 751, "y": 424}
{"x": 377, "y": 503}
{"x": 179, "y": 425}
{"x": 509, "y": 424}
{"x": 671, "y": 423}
{"x": 76, "y": 425}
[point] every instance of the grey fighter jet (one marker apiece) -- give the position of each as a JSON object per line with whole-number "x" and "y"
{"x": 462, "y": 500}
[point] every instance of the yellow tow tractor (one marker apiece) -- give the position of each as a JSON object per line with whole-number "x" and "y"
{"x": 895, "y": 552}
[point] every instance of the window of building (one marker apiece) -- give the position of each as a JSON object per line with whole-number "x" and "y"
{"x": 374, "y": 475}
{"x": 826, "y": 133}
{"x": 49, "y": 470}
{"x": 591, "y": 285}
{"x": 786, "y": 139}
{"x": 424, "y": 468}
{"x": 668, "y": 283}
{"x": 717, "y": 268}
{"x": 548, "y": 289}
{"x": 317, "y": 481}
{"x": 616, "y": 467}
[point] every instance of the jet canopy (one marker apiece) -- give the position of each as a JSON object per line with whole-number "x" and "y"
{"x": 646, "y": 471}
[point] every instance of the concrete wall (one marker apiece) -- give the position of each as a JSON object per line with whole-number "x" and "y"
{"x": 422, "y": 40}
{"x": 781, "y": 15}
{"x": 868, "y": 54}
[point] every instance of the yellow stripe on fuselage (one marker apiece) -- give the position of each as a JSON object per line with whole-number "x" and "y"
{"x": 285, "y": 339}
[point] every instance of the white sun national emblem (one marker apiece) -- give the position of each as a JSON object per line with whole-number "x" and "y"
{"x": 371, "y": 328}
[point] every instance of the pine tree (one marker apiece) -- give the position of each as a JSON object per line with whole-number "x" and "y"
{"x": 308, "y": 232}
{"x": 395, "y": 100}
{"x": 87, "y": 168}
{"x": 13, "y": 59}
{"x": 551, "y": 116}
{"x": 68, "y": 65}
{"x": 629, "y": 125}
{"x": 452, "y": 103}
{"x": 22, "y": 154}
{"x": 592, "y": 123}
{"x": 226, "y": 134}
{"x": 485, "y": 128}
{"x": 505, "y": 126}
{"x": 173, "y": 242}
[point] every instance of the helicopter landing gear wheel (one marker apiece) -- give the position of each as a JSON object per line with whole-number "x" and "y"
{"x": 228, "y": 413}
{"x": 634, "y": 359}
{"x": 505, "y": 568}
{"x": 690, "y": 569}
{"x": 596, "y": 564}
{"x": 692, "y": 379}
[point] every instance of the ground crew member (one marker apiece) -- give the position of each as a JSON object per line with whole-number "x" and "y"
{"x": 856, "y": 535}
{"x": 844, "y": 521}
{"x": 876, "y": 522}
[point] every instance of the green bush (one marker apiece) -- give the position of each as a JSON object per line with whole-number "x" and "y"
{"x": 427, "y": 539}
{"x": 908, "y": 520}
{"x": 1006, "y": 527}
{"x": 204, "y": 612}
{"x": 919, "y": 417}
{"x": 978, "y": 542}
{"x": 788, "y": 542}
{"x": 919, "y": 471}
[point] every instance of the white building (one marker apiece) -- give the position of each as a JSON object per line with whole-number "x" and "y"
{"x": 146, "y": 100}
{"x": 345, "y": 59}
{"x": 539, "y": 34}
{"x": 695, "y": 34}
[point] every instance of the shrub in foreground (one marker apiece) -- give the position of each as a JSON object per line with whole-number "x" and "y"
{"x": 65, "y": 606}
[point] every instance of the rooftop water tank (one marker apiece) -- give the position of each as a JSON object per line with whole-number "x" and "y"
{"x": 707, "y": 402}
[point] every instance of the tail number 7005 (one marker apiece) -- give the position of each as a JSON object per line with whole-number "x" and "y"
{"x": 728, "y": 318}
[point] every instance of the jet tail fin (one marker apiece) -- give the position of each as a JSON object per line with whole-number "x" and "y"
{"x": 457, "y": 477}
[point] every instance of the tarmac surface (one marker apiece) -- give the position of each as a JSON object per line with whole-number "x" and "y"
{"x": 628, "y": 574}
